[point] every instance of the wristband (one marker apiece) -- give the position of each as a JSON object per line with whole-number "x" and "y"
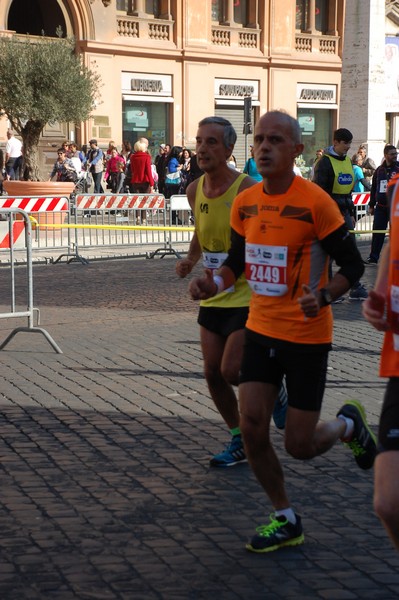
{"x": 219, "y": 283}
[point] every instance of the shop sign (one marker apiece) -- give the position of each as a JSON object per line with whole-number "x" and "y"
{"x": 150, "y": 84}
{"x": 308, "y": 92}
{"x": 236, "y": 88}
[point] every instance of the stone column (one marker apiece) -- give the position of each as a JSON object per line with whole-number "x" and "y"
{"x": 362, "y": 100}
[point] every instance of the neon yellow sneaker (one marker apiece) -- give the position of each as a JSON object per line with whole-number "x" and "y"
{"x": 277, "y": 534}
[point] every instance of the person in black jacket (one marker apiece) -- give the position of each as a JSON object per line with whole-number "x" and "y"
{"x": 378, "y": 205}
{"x": 334, "y": 173}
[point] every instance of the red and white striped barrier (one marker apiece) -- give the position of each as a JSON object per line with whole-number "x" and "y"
{"x": 361, "y": 199}
{"x": 18, "y": 228}
{"x": 119, "y": 201}
{"x": 36, "y": 203}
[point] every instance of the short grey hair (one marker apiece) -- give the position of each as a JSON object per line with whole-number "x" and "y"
{"x": 229, "y": 133}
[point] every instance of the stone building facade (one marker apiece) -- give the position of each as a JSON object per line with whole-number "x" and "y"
{"x": 165, "y": 64}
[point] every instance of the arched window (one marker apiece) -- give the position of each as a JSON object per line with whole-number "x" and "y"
{"x": 37, "y": 17}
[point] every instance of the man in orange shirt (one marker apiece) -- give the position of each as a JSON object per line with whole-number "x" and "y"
{"x": 386, "y": 296}
{"x": 283, "y": 231}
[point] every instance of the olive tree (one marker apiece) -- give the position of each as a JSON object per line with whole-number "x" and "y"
{"x": 42, "y": 81}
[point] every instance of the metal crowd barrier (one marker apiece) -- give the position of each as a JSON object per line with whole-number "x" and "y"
{"x": 15, "y": 230}
{"x": 88, "y": 221}
{"x": 364, "y": 221}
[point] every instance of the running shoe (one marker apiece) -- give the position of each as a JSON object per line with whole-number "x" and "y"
{"x": 363, "y": 441}
{"x": 359, "y": 293}
{"x": 232, "y": 455}
{"x": 280, "y": 408}
{"x": 277, "y": 534}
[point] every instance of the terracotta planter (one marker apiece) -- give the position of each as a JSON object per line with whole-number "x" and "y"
{"x": 38, "y": 188}
{"x": 26, "y": 189}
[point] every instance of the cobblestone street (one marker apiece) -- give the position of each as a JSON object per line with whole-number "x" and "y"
{"x": 106, "y": 492}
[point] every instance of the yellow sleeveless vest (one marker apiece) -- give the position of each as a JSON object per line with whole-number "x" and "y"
{"x": 212, "y": 224}
{"x": 344, "y": 176}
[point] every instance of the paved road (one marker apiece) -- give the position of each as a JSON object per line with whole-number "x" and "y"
{"x": 106, "y": 491}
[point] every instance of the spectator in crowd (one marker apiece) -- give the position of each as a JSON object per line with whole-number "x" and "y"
{"x": 367, "y": 165}
{"x": 126, "y": 149}
{"x": 94, "y": 164}
{"x": 250, "y": 167}
{"x": 361, "y": 183}
{"x": 66, "y": 145}
{"x": 231, "y": 162}
{"x": 160, "y": 164}
{"x": 120, "y": 178}
{"x": 13, "y": 151}
{"x": 82, "y": 154}
{"x": 319, "y": 154}
{"x": 378, "y": 205}
{"x": 63, "y": 168}
{"x": 381, "y": 310}
{"x": 141, "y": 179}
{"x": 334, "y": 174}
{"x": 144, "y": 140}
{"x": 289, "y": 327}
{"x": 296, "y": 169}
{"x": 112, "y": 170}
{"x": 195, "y": 170}
{"x": 185, "y": 161}
{"x": 173, "y": 168}
{"x": 108, "y": 152}
{"x": 75, "y": 157}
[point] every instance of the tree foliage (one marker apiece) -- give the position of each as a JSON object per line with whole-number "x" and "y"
{"x": 42, "y": 81}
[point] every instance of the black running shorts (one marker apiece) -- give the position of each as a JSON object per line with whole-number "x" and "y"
{"x": 388, "y": 432}
{"x": 223, "y": 321}
{"x": 305, "y": 368}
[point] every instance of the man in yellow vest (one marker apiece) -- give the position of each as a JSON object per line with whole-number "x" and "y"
{"x": 334, "y": 173}
{"x": 221, "y": 319}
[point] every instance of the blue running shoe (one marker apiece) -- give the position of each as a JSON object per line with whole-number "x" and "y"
{"x": 277, "y": 534}
{"x": 280, "y": 408}
{"x": 233, "y": 454}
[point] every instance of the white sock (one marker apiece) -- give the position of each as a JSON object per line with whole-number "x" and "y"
{"x": 349, "y": 427}
{"x": 288, "y": 513}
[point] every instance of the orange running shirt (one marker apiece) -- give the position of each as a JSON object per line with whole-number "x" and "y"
{"x": 389, "y": 365}
{"x": 282, "y": 252}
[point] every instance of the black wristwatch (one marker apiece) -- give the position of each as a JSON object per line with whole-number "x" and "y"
{"x": 326, "y": 298}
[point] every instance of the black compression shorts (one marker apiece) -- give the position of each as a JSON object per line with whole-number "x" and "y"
{"x": 388, "y": 432}
{"x": 305, "y": 370}
{"x": 223, "y": 321}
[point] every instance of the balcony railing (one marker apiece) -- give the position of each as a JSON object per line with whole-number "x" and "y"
{"x": 309, "y": 43}
{"x": 225, "y": 36}
{"x": 145, "y": 29}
